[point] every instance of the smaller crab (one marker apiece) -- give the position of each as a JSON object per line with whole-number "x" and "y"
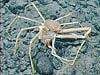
{"x": 48, "y": 31}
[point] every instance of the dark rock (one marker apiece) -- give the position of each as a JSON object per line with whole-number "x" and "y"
{"x": 44, "y": 1}
{"x": 43, "y": 64}
{"x": 16, "y": 7}
{"x": 27, "y": 72}
{"x": 56, "y": 63}
{"x": 5, "y": 1}
{"x": 3, "y": 11}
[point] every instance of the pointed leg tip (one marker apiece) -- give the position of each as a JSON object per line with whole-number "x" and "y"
{"x": 72, "y": 64}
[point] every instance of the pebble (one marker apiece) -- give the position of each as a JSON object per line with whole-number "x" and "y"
{"x": 44, "y": 65}
{"x": 3, "y": 10}
{"x": 98, "y": 10}
{"x": 44, "y": 1}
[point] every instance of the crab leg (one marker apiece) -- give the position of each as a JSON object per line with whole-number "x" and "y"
{"x": 86, "y": 36}
{"x": 76, "y": 36}
{"x": 75, "y": 30}
{"x": 63, "y": 16}
{"x": 30, "y": 51}
{"x": 19, "y": 34}
{"x": 79, "y": 49}
{"x": 64, "y": 24}
{"x": 17, "y": 17}
{"x": 37, "y": 10}
{"x": 53, "y": 52}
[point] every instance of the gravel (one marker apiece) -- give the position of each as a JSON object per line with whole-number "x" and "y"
{"x": 87, "y": 12}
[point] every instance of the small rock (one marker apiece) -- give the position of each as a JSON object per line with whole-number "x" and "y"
{"x": 62, "y": 3}
{"x": 91, "y": 3}
{"x": 44, "y": 1}
{"x": 72, "y": 3}
{"x": 5, "y": 72}
{"x": 43, "y": 65}
{"x": 5, "y": 43}
{"x": 3, "y": 10}
{"x": 27, "y": 72}
{"x": 53, "y": 11}
{"x": 12, "y": 71}
{"x": 15, "y": 7}
{"x": 10, "y": 64}
{"x": 98, "y": 11}
{"x": 5, "y": 1}
{"x": 56, "y": 63}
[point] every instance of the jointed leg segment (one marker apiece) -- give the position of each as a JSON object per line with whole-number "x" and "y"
{"x": 63, "y": 16}
{"x": 53, "y": 52}
{"x": 17, "y": 17}
{"x": 86, "y": 35}
{"x": 74, "y": 61}
{"x": 30, "y": 51}
{"x": 37, "y": 10}
{"x": 64, "y": 24}
{"x": 19, "y": 34}
{"x": 88, "y": 29}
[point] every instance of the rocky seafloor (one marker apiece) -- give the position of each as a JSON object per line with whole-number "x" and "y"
{"x": 87, "y": 12}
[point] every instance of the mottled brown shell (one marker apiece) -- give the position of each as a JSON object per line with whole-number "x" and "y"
{"x": 53, "y": 25}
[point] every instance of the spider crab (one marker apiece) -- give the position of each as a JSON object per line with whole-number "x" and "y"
{"x": 48, "y": 31}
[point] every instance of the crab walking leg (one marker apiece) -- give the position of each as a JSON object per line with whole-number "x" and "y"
{"x": 19, "y": 34}
{"x": 77, "y": 36}
{"x": 79, "y": 49}
{"x": 37, "y": 10}
{"x": 63, "y": 16}
{"x": 30, "y": 51}
{"x": 53, "y": 52}
{"x": 17, "y": 17}
{"x": 74, "y": 35}
{"x": 64, "y": 24}
{"x": 75, "y": 30}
